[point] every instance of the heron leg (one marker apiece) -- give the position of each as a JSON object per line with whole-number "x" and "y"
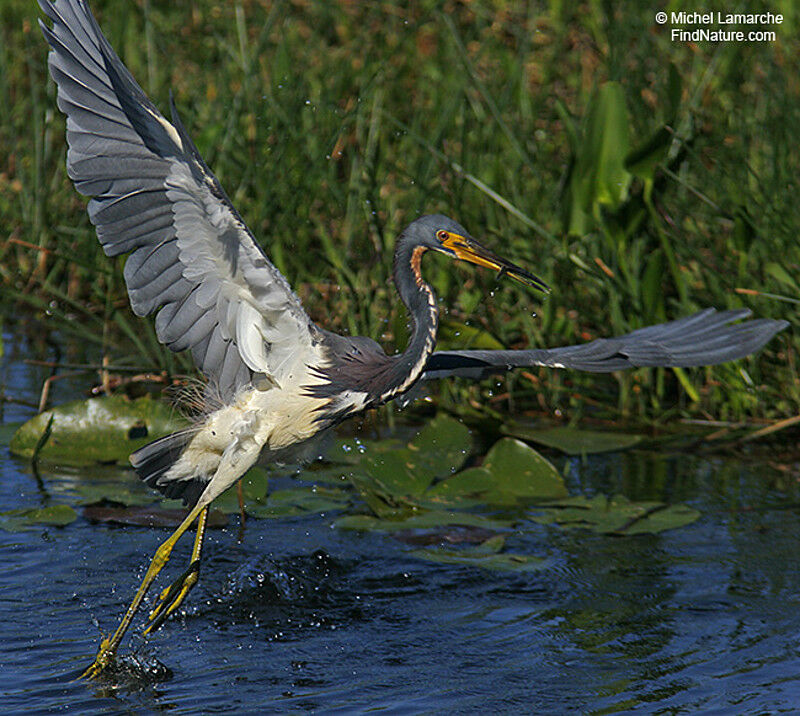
{"x": 172, "y": 597}
{"x": 108, "y": 646}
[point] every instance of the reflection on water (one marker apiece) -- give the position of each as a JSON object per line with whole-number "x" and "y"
{"x": 301, "y": 616}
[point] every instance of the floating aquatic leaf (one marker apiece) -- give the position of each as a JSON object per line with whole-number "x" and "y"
{"x": 146, "y": 516}
{"x": 485, "y": 556}
{"x": 20, "y": 519}
{"x": 465, "y": 489}
{"x": 446, "y": 534}
{"x": 105, "y": 429}
{"x": 440, "y": 448}
{"x": 519, "y": 469}
{"x": 512, "y": 471}
{"x": 427, "y": 519}
{"x": 573, "y": 441}
{"x": 255, "y": 484}
{"x": 616, "y": 515}
{"x": 351, "y": 451}
{"x": 329, "y": 475}
{"x": 300, "y": 501}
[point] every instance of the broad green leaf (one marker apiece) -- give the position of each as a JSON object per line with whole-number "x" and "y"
{"x": 573, "y": 441}
{"x": 643, "y": 160}
{"x": 254, "y": 488}
{"x": 427, "y": 519}
{"x": 616, "y": 515}
{"x": 300, "y": 501}
{"x": 328, "y": 474}
{"x": 20, "y": 519}
{"x": 467, "y": 488}
{"x": 393, "y": 473}
{"x": 130, "y": 492}
{"x": 440, "y": 448}
{"x": 598, "y": 177}
{"x": 382, "y": 502}
{"x": 518, "y": 469}
{"x": 350, "y": 451}
{"x": 455, "y": 334}
{"x": 781, "y": 275}
{"x": 106, "y": 429}
{"x": 512, "y": 471}
{"x": 484, "y": 559}
{"x": 147, "y": 516}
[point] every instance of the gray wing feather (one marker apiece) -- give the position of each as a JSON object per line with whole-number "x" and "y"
{"x": 192, "y": 258}
{"x": 705, "y": 338}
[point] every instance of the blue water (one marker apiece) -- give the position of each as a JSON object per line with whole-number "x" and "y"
{"x": 301, "y": 616}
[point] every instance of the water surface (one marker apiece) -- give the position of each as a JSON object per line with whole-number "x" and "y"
{"x": 301, "y": 616}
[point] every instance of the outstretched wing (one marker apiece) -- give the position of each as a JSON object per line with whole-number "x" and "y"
{"x": 706, "y": 338}
{"x": 192, "y": 258}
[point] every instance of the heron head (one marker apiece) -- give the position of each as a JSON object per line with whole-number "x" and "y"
{"x": 442, "y": 234}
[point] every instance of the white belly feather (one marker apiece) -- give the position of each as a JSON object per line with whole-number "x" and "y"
{"x": 231, "y": 439}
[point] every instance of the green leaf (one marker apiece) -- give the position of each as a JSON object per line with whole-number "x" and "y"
{"x": 454, "y": 334}
{"x": 440, "y": 448}
{"x": 483, "y": 557}
{"x": 518, "y": 469}
{"x": 781, "y": 275}
{"x": 512, "y": 471}
{"x": 106, "y": 429}
{"x": 300, "y": 501}
{"x": 427, "y": 519}
{"x": 617, "y": 515}
{"x": 255, "y": 483}
{"x": 573, "y": 441}
{"x": 20, "y": 519}
{"x": 465, "y": 489}
{"x": 598, "y": 176}
{"x": 644, "y": 159}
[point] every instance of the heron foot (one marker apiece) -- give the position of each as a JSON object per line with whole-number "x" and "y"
{"x": 105, "y": 657}
{"x": 172, "y": 597}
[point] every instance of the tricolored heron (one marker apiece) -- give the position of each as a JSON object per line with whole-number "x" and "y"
{"x": 276, "y": 379}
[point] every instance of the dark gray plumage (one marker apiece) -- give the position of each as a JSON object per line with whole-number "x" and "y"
{"x": 277, "y": 380}
{"x": 705, "y": 338}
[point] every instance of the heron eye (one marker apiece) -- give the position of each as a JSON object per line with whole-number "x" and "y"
{"x": 441, "y": 235}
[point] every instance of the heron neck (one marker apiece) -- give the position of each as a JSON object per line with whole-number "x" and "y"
{"x": 420, "y": 302}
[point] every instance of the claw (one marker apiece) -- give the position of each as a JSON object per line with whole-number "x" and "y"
{"x": 172, "y": 597}
{"x": 105, "y": 657}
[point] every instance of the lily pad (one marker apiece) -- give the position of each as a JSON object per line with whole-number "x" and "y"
{"x": 440, "y": 448}
{"x": 20, "y": 519}
{"x": 146, "y": 516}
{"x": 300, "y": 501}
{"x": 105, "y": 429}
{"x": 392, "y": 481}
{"x": 485, "y": 556}
{"x": 573, "y": 441}
{"x": 616, "y": 515}
{"x": 427, "y": 519}
{"x": 255, "y": 483}
{"x": 511, "y": 472}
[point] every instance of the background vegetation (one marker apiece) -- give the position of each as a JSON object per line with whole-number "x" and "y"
{"x": 642, "y": 178}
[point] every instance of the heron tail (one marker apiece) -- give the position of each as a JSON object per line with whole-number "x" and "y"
{"x": 154, "y": 460}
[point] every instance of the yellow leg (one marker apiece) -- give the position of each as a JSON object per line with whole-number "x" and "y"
{"x": 172, "y": 597}
{"x": 108, "y": 646}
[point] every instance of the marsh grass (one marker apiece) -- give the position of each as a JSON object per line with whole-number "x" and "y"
{"x": 641, "y": 178}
